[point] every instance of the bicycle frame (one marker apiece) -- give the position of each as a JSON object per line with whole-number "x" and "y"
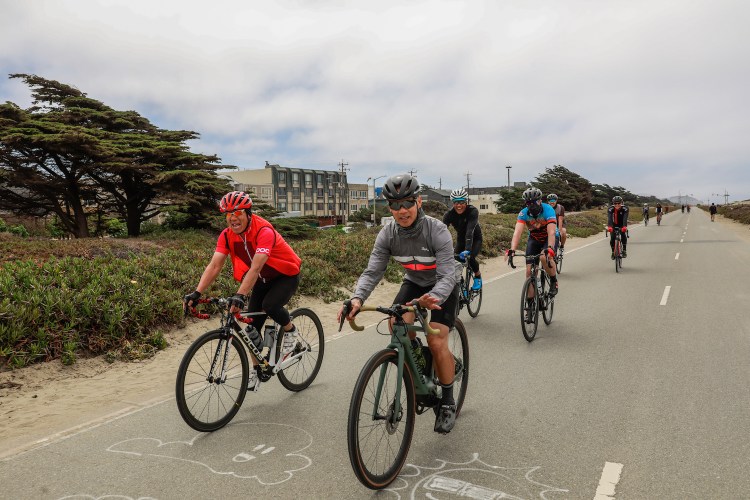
{"x": 230, "y": 324}
{"x": 401, "y": 343}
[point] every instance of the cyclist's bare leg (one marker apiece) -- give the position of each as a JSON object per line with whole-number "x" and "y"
{"x": 529, "y": 292}
{"x": 563, "y": 236}
{"x": 551, "y": 269}
{"x": 445, "y": 365}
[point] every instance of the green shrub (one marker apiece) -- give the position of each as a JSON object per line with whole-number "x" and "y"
{"x": 3, "y": 226}
{"x": 19, "y": 230}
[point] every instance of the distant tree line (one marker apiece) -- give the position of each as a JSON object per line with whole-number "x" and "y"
{"x": 573, "y": 191}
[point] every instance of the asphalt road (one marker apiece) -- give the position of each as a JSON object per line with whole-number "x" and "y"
{"x": 635, "y": 390}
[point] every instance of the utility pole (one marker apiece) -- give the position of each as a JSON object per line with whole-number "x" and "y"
{"x": 468, "y": 175}
{"x": 726, "y": 197}
{"x": 440, "y": 183}
{"x": 373, "y": 196}
{"x": 344, "y": 188}
{"x": 508, "y": 167}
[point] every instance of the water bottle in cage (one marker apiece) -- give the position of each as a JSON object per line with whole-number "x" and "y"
{"x": 254, "y": 335}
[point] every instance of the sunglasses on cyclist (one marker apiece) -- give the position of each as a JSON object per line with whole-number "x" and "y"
{"x": 529, "y": 203}
{"x": 399, "y": 204}
{"x": 459, "y": 202}
{"x": 236, "y": 213}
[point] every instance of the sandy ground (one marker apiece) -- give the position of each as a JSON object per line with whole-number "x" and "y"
{"x": 46, "y": 402}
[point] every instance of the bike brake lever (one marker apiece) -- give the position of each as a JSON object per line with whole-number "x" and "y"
{"x": 345, "y": 313}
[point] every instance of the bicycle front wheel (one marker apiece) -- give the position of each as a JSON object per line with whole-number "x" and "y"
{"x": 529, "y": 310}
{"x": 558, "y": 262}
{"x": 378, "y": 437}
{"x": 206, "y": 400}
{"x": 310, "y": 341}
{"x": 475, "y": 302}
{"x": 618, "y": 255}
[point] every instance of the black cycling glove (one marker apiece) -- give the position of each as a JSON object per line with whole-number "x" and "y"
{"x": 237, "y": 300}
{"x": 191, "y": 299}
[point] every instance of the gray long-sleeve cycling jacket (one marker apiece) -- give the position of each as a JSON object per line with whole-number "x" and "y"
{"x": 427, "y": 258}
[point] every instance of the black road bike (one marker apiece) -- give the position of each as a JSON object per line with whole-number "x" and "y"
{"x": 214, "y": 374}
{"x": 470, "y": 298}
{"x": 535, "y": 297}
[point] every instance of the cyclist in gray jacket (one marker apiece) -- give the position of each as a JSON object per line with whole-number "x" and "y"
{"x": 424, "y": 247}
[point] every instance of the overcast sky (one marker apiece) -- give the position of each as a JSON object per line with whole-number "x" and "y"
{"x": 652, "y": 95}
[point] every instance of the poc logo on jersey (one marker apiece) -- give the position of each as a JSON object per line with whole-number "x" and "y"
{"x": 425, "y": 249}
{"x": 266, "y": 251}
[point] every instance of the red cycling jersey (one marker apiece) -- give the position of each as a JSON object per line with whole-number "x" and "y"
{"x": 260, "y": 237}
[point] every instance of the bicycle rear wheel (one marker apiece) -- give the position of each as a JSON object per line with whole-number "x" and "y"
{"x": 378, "y": 439}
{"x": 529, "y": 310}
{"x": 205, "y": 400}
{"x": 558, "y": 262}
{"x": 548, "y": 303}
{"x": 458, "y": 343}
{"x": 310, "y": 339}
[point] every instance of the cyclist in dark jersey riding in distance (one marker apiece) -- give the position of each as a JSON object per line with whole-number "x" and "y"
{"x": 424, "y": 247}
{"x": 560, "y": 214}
{"x": 617, "y": 216}
{"x": 262, "y": 262}
{"x": 465, "y": 219}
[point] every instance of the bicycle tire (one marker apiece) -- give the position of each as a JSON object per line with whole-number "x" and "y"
{"x": 475, "y": 302}
{"x": 379, "y": 468}
{"x": 617, "y": 250}
{"x": 300, "y": 375}
{"x": 548, "y": 302}
{"x": 558, "y": 263}
{"x": 457, "y": 335}
{"x": 199, "y": 398}
{"x": 529, "y": 329}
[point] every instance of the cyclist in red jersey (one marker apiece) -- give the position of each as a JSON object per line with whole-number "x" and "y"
{"x": 262, "y": 262}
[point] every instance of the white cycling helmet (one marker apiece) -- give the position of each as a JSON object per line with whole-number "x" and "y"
{"x": 459, "y": 194}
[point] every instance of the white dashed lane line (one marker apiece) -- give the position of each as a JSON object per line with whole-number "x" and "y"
{"x": 665, "y": 295}
{"x": 608, "y": 482}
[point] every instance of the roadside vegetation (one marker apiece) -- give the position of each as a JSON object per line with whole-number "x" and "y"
{"x": 65, "y": 299}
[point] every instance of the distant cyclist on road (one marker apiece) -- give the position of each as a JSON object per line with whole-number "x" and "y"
{"x": 262, "y": 262}
{"x": 645, "y": 212}
{"x": 465, "y": 219}
{"x": 712, "y": 211}
{"x": 540, "y": 219}
{"x": 424, "y": 247}
{"x": 560, "y": 214}
{"x": 617, "y": 217}
{"x": 658, "y": 213}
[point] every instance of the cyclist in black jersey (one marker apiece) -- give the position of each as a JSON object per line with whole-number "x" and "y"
{"x": 617, "y": 217}
{"x": 465, "y": 219}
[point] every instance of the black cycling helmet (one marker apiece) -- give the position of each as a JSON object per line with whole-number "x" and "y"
{"x": 532, "y": 194}
{"x": 401, "y": 186}
{"x": 617, "y": 199}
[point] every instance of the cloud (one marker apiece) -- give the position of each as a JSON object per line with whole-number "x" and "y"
{"x": 613, "y": 91}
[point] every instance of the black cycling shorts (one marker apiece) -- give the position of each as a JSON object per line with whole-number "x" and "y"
{"x": 534, "y": 247}
{"x": 445, "y": 316}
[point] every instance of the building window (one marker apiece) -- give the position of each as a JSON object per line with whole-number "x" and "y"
{"x": 308, "y": 207}
{"x": 320, "y": 179}
{"x": 295, "y": 193}
{"x": 281, "y": 206}
{"x": 308, "y": 193}
{"x": 308, "y": 180}
{"x": 295, "y": 178}
{"x": 320, "y": 192}
{"x": 295, "y": 207}
{"x": 354, "y": 208}
{"x": 484, "y": 207}
{"x": 265, "y": 192}
{"x": 282, "y": 177}
{"x": 319, "y": 207}
{"x": 281, "y": 191}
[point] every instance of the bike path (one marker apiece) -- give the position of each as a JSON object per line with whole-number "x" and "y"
{"x": 652, "y": 388}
